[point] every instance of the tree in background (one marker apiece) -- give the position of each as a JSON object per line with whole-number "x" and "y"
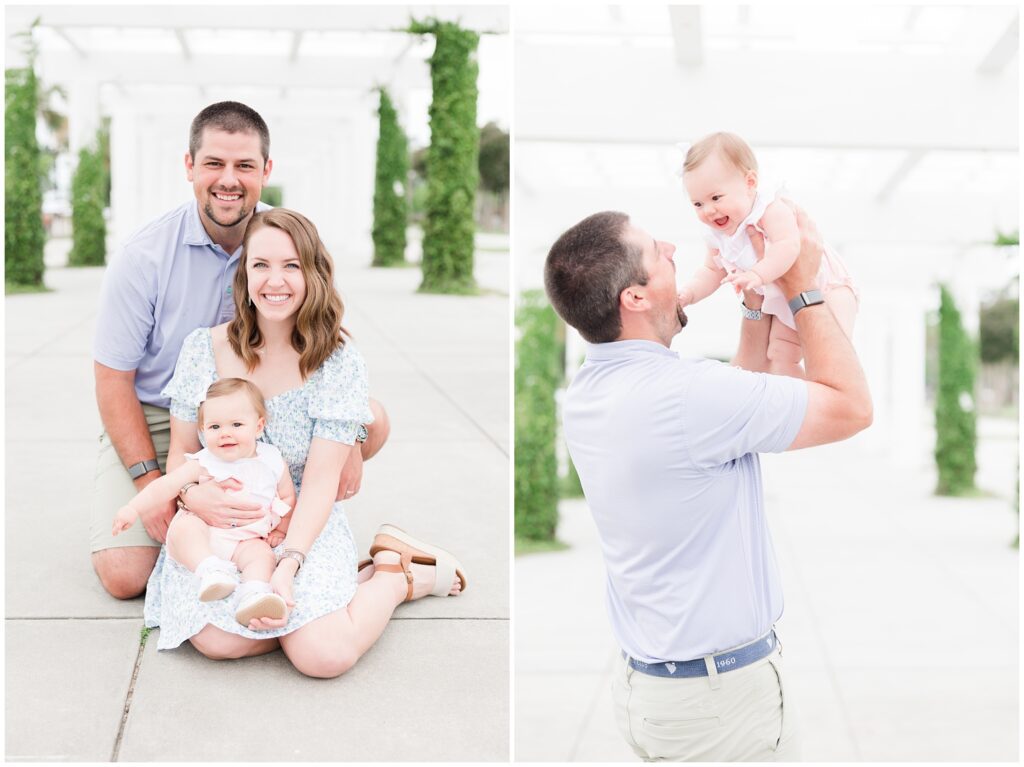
{"x": 24, "y": 236}
{"x": 955, "y": 427}
{"x": 88, "y": 198}
{"x": 389, "y": 202}
{"x": 452, "y": 172}
{"x": 538, "y": 375}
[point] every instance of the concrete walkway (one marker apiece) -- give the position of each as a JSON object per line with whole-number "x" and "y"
{"x": 900, "y": 628}
{"x": 81, "y": 686}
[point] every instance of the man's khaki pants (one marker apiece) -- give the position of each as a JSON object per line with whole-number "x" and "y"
{"x": 738, "y": 716}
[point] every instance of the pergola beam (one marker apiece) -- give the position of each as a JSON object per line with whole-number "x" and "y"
{"x": 185, "y": 51}
{"x": 910, "y": 106}
{"x": 911, "y": 161}
{"x": 71, "y": 41}
{"x": 326, "y": 18}
{"x": 687, "y": 35}
{"x": 223, "y": 70}
{"x": 1003, "y": 50}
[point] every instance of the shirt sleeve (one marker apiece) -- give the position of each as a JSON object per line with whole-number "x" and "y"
{"x": 729, "y": 412}
{"x": 340, "y": 397}
{"x": 272, "y": 457}
{"x": 193, "y": 374}
{"x": 126, "y": 313}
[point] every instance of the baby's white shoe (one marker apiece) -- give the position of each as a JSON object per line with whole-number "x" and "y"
{"x": 218, "y": 578}
{"x": 257, "y": 600}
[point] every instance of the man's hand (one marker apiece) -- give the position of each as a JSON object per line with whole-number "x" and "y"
{"x": 211, "y": 502}
{"x": 156, "y": 522}
{"x": 351, "y": 473}
{"x": 802, "y": 275}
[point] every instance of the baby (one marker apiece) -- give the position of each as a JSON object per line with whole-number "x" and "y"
{"x": 720, "y": 176}
{"x": 231, "y": 419}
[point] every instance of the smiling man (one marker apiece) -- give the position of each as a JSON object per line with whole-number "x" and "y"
{"x": 173, "y": 276}
{"x": 667, "y": 452}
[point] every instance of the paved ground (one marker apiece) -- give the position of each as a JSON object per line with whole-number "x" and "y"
{"x": 900, "y": 629}
{"x": 80, "y": 687}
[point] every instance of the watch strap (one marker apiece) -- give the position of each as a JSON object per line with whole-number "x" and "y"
{"x": 136, "y": 470}
{"x": 750, "y": 314}
{"x": 805, "y": 299}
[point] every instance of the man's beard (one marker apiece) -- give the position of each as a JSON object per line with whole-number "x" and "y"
{"x": 681, "y": 315}
{"x": 243, "y": 213}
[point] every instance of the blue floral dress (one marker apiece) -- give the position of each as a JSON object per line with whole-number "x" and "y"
{"x": 331, "y": 404}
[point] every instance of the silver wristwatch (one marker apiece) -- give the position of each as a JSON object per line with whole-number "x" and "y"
{"x": 362, "y": 433}
{"x": 750, "y": 314}
{"x": 136, "y": 470}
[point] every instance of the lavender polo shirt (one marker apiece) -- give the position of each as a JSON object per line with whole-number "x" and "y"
{"x": 169, "y": 279}
{"x": 666, "y": 450}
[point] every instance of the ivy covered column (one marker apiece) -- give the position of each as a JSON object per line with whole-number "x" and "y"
{"x": 537, "y": 378}
{"x": 88, "y": 195}
{"x": 955, "y": 435}
{"x": 452, "y": 172}
{"x": 389, "y": 204}
{"x": 24, "y": 236}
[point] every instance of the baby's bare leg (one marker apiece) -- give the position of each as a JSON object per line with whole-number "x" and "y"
{"x": 188, "y": 540}
{"x": 843, "y": 304}
{"x": 255, "y": 559}
{"x": 784, "y": 352}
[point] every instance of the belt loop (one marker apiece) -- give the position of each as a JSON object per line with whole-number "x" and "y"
{"x": 629, "y": 668}
{"x": 713, "y": 680}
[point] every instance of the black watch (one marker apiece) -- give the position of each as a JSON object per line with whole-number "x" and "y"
{"x": 136, "y": 470}
{"x": 805, "y": 299}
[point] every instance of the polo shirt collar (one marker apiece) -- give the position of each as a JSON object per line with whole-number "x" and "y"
{"x": 620, "y": 349}
{"x": 195, "y": 232}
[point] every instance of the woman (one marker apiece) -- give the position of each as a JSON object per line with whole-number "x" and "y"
{"x": 287, "y": 339}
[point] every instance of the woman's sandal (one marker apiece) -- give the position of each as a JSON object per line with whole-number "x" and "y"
{"x": 413, "y": 551}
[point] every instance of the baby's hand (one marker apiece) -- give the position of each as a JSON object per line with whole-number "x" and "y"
{"x": 749, "y": 280}
{"x": 124, "y": 519}
{"x": 274, "y": 538}
{"x": 685, "y": 297}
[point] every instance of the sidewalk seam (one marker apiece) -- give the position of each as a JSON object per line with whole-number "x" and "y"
{"x": 128, "y": 698}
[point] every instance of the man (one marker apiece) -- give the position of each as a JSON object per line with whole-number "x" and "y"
{"x": 666, "y": 449}
{"x": 172, "y": 277}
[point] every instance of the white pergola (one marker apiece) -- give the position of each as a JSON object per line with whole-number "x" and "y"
{"x": 310, "y": 71}
{"x": 896, "y": 127}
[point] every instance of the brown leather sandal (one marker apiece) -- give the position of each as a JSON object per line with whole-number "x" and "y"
{"x": 413, "y": 551}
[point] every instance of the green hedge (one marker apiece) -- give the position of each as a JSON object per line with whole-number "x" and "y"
{"x": 24, "y": 236}
{"x": 538, "y": 376}
{"x": 389, "y": 205}
{"x": 955, "y": 429}
{"x": 88, "y": 191}
{"x": 452, "y": 172}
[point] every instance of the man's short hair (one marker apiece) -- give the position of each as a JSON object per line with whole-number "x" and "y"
{"x": 587, "y": 269}
{"x": 233, "y": 117}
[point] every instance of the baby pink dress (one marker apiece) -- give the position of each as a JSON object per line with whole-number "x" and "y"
{"x": 736, "y": 253}
{"x": 259, "y": 477}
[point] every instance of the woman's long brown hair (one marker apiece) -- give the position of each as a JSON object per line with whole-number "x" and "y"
{"x": 318, "y": 331}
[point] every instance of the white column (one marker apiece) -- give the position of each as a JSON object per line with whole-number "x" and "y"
{"x": 124, "y": 162}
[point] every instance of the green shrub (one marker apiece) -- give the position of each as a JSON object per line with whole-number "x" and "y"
{"x": 955, "y": 429}
{"x": 24, "y": 236}
{"x": 389, "y": 205}
{"x": 452, "y": 172}
{"x": 538, "y": 375}
{"x": 272, "y": 196}
{"x": 999, "y": 331}
{"x": 88, "y": 190}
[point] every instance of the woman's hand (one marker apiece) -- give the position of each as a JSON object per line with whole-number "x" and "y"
{"x": 211, "y": 502}
{"x": 281, "y": 584}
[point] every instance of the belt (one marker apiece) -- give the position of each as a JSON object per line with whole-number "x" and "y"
{"x": 726, "y": 661}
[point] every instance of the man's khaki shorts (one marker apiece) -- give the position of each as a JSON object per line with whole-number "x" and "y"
{"x": 113, "y": 487}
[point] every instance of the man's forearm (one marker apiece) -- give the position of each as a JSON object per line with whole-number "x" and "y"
{"x": 752, "y": 352}
{"x": 123, "y": 419}
{"x": 830, "y": 359}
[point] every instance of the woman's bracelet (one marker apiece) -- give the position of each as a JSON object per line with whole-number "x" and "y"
{"x": 181, "y": 494}
{"x": 295, "y": 554}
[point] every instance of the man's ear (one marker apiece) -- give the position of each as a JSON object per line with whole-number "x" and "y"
{"x": 633, "y": 299}
{"x": 267, "y": 167}
{"x": 188, "y": 166}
